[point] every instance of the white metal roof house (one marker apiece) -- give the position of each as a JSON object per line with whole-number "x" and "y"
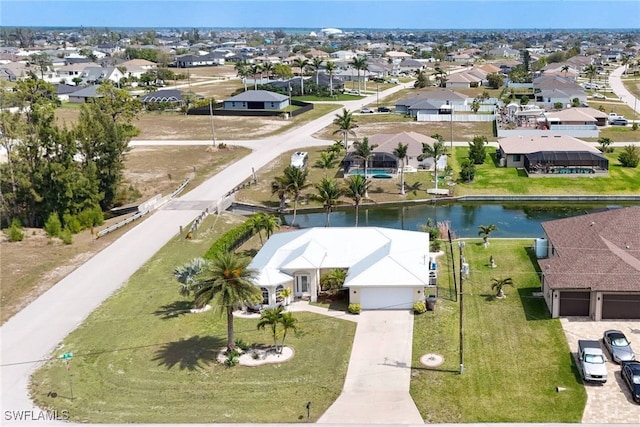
{"x": 387, "y": 268}
{"x": 257, "y": 100}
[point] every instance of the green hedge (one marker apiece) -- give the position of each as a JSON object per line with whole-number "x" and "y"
{"x": 232, "y": 239}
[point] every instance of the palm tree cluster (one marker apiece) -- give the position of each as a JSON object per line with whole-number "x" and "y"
{"x": 291, "y": 183}
{"x": 360, "y": 63}
{"x": 274, "y": 317}
{"x": 346, "y": 125}
{"x": 264, "y": 221}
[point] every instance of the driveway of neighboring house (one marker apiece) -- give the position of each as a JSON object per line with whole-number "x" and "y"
{"x": 611, "y": 402}
{"x": 376, "y": 389}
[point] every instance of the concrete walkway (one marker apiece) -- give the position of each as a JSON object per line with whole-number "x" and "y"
{"x": 376, "y": 389}
{"x": 339, "y": 314}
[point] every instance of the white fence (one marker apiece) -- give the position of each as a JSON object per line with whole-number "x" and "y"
{"x": 577, "y": 133}
{"x": 456, "y": 117}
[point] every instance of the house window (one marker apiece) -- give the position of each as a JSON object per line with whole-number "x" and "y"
{"x": 302, "y": 284}
{"x": 273, "y": 104}
{"x": 279, "y": 297}
{"x": 265, "y": 295}
{"x": 517, "y": 158}
{"x": 244, "y": 105}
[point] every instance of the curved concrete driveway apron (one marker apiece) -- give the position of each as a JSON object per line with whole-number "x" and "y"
{"x": 30, "y": 336}
{"x": 376, "y": 389}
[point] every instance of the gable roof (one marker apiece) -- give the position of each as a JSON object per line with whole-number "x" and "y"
{"x": 387, "y": 142}
{"x": 374, "y": 256}
{"x": 87, "y": 92}
{"x": 258, "y": 96}
{"x": 535, "y": 143}
{"x": 596, "y": 251}
{"x": 577, "y": 114}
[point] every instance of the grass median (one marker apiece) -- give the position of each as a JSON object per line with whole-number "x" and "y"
{"x": 514, "y": 354}
{"x": 140, "y": 358}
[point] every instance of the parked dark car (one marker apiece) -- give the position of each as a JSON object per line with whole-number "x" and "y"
{"x": 384, "y": 110}
{"x": 631, "y": 376}
{"x": 618, "y": 346}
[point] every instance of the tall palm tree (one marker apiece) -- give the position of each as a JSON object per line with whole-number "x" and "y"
{"x": 346, "y": 125}
{"x": 485, "y": 232}
{"x": 228, "y": 282}
{"x": 359, "y": 64}
{"x": 356, "y": 189}
{"x": 242, "y": 70}
{"x": 279, "y": 187}
{"x": 288, "y": 322}
{"x": 326, "y": 161}
{"x": 269, "y": 223}
{"x": 437, "y": 150}
{"x": 186, "y": 275}
{"x": 301, "y": 63}
{"x": 331, "y": 67}
{"x": 255, "y": 222}
{"x": 401, "y": 153}
{"x": 329, "y": 193}
{"x": 316, "y": 63}
{"x": 255, "y": 70}
{"x": 271, "y": 317}
{"x": 565, "y": 70}
{"x": 296, "y": 181}
{"x": 591, "y": 70}
{"x": 267, "y": 67}
{"x": 498, "y": 284}
{"x": 364, "y": 150}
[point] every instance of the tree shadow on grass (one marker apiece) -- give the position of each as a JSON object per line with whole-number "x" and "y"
{"x": 190, "y": 354}
{"x": 175, "y": 309}
{"x": 534, "y": 307}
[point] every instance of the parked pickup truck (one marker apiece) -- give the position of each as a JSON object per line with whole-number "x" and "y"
{"x": 615, "y": 117}
{"x": 592, "y": 361}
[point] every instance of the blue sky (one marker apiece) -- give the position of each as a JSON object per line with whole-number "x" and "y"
{"x": 416, "y": 14}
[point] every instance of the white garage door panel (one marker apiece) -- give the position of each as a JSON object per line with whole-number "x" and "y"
{"x": 386, "y": 298}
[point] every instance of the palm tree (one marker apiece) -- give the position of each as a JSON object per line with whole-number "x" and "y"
{"x": 440, "y": 76}
{"x": 485, "y": 231}
{"x": 301, "y": 63}
{"x": 498, "y": 284}
{"x": 565, "y": 70}
{"x": 364, "y": 151}
{"x": 269, "y": 223}
{"x": 437, "y": 150}
{"x": 228, "y": 284}
{"x": 359, "y": 64}
{"x": 271, "y": 317}
{"x": 186, "y": 275}
{"x": 288, "y": 322}
{"x": 331, "y": 67}
{"x": 255, "y": 70}
{"x": 326, "y": 161}
{"x": 242, "y": 70}
{"x": 268, "y": 68}
{"x": 279, "y": 187}
{"x": 401, "y": 153}
{"x": 255, "y": 222}
{"x": 356, "y": 189}
{"x": 591, "y": 70}
{"x": 316, "y": 63}
{"x": 296, "y": 181}
{"x": 329, "y": 193}
{"x": 346, "y": 123}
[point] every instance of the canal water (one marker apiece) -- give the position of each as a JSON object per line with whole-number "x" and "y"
{"x": 520, "y": 219}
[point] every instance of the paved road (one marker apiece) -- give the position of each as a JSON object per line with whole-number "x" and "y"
{"x": 376, "y": 388}
{"x": 31, "y": 335}
{"x": 618, "y": 88}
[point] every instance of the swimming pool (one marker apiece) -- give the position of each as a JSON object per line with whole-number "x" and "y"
{"x": 373, "y": 173}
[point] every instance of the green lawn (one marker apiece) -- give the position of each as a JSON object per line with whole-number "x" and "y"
{"x": 514, "y": 354}
{"x": 136, "y": 362}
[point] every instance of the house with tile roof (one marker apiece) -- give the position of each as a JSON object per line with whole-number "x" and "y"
{"x": 430, "y": 102}
{"x": 590, "y": 265}
{"x": 387, "y": 269}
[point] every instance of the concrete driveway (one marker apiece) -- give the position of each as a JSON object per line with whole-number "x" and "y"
{"x": 611, "y": 402}
{"x": 376, "y": 389}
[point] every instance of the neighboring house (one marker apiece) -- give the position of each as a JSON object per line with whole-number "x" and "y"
{"x": 343, "y": 55}
{"x": 551, "y": 155}
{"x": 387, "y": 142}
{"x": 137, "y": 67}
{"x": 386, "y": 268}
{"x": 466, "y": 79}
{"x": 409, "y": 65}
{"x": 577, "y": 117}
{"x": 168, "y": 96}
{"x": 69, "y": 72}
{"x": 257, "y": 100}
{"x": 188, "y": 61}
{"x": 84, "y": 95}
{"x": 97, "y": 75}
{"x": 550, "y": 90}
{"x": 430, "y": 102}
{"x": 64, "y": 90}
{"x": 592, "y": 266}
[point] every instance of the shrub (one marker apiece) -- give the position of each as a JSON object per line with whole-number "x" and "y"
{"x": 233, "y": 357}
{"x": 72, "y": 223}
{"x": 15, "y": 231}
{"x": 354, "y": 308}
{"x": 53, "y": 226}
{"x": 436, "y": 245}
{"x": 66, "y": 236}
{"x": 241, "y": 344}
{"x": 231, "y": 239}
{"x": 91, "y": 217}
{"x": 630, "y": 157}
{"x": 419, "y": 307}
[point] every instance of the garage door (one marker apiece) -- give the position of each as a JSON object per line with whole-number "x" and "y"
{"x": 620, "y": 306}
{"x": 574, "y": 303}
{"x": 386, "y": 298}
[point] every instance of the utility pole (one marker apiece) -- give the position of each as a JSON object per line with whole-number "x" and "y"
{"x": 213, "y": 132}
{"x": 461, "y": 246}
{"x": 453, "y": 267}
